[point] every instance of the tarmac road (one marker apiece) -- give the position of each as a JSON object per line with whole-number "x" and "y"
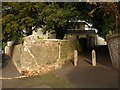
{"x": 83, "y": 76}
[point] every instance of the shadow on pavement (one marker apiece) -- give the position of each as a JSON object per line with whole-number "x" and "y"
{"x": 102, "y": 55}
{"x": 5, "y": 60}
{"x": 87, "y": 76}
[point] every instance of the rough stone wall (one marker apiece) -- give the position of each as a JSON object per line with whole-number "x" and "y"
{"x": 68, "y": 47}
{"x": 42, "y": 55}
{"x": 39, "y": 53}
{"x": 114, "y": 50}
{"x": 16, "y": 55}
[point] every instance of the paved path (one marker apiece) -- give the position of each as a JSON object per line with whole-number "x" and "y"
{"x": 83, "y": 76}
{"x": 9, "y": 70}
{"x": 87, "y": 76}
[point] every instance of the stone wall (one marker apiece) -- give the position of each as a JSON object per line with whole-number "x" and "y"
{"x": 114, "y": 50}
{"x": 43, "y": 55}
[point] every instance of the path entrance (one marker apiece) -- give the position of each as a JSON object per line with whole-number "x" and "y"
{"x": 86, "y": 76}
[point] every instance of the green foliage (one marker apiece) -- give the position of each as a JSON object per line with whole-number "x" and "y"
{"x": 55, "y": 17}
{"x": 17, "y": 16}
{"x": 103, "y": 17}
{"x": 108, "y": 26}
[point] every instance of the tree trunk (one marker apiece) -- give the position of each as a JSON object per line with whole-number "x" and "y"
{"x": 60, "y": 33}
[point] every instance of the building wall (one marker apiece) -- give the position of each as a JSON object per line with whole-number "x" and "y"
{"x": 100, "y": 41}
{"x": 77, "y": 26}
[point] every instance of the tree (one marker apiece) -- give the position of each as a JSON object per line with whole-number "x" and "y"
{"x": 16, "y": 17}
{"x": 55, "y": 16}
{"x": 105, "y": 17}
{"x": 114, "y": 10}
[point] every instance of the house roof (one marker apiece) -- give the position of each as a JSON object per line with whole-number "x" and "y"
{"x": 83, "y": 21}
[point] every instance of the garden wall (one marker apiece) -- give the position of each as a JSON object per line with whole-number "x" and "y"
{"x": 114, "y": 50}
{"x": 42, "y": 55}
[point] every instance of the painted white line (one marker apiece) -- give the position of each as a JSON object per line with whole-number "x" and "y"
{"x": 10, "y": 78}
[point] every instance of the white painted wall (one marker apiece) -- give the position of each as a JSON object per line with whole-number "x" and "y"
{"x": 101, "y": 41}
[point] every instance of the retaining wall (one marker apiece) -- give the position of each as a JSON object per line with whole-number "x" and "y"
{"x": 43, "y": 55}
{"x": 114, "y": 50}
